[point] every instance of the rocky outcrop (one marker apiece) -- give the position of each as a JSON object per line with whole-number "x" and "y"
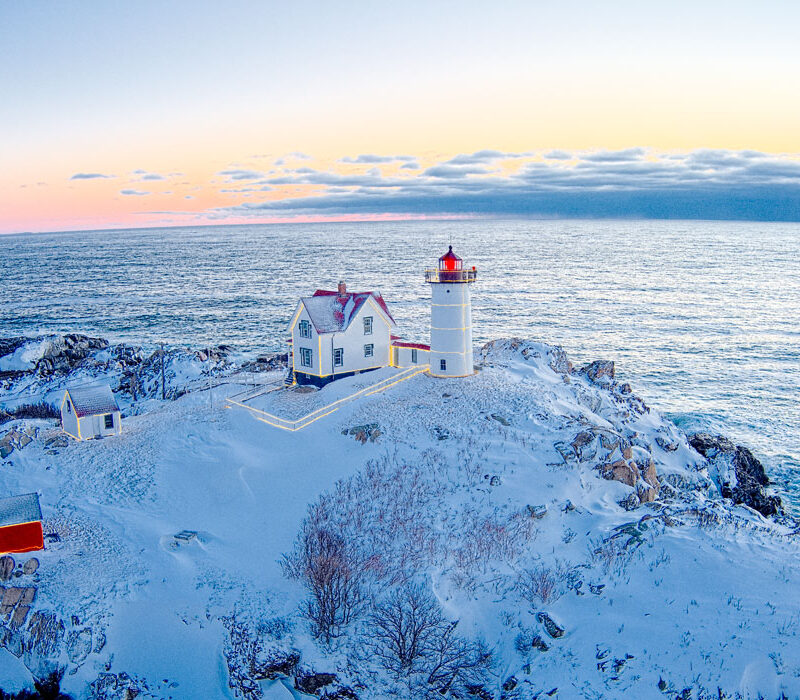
{"x": 312, "y": 683}
{"x": 498, "y": 351}
{"x": 599, "y": 370}
{"x": 267, "y": 363}
{"x": 66, "y": 353}
{"x": 739, "y": 475}
{"x": 10, "y": 345}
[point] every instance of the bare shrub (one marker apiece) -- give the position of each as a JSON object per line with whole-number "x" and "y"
{"x": 411, "y": 638}
{"x": 543, "y": 584}
{"x": 612, "y": 555}
{"x": 333, "y": 576}
{"x": 30, "y": 410}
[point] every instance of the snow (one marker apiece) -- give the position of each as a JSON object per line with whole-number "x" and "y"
{"x": 705, "y": 596}
{"x": 92, "y": 400}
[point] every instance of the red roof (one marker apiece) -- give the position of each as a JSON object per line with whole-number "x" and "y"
{"x": 404, "y": 344}
{"x": 450, "y": 261}
{"x": 335, "y": 311}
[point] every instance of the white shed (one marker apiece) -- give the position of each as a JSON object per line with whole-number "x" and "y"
{"x": 90, "y": 412}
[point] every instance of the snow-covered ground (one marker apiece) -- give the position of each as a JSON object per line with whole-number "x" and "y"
{"x": 488, "y": 491}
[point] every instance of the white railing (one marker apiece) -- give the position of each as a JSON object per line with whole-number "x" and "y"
{"x": 435, "y": 276}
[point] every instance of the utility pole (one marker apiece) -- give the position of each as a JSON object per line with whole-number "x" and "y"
{"x": 163, "y": 384}
{"x": 210, "y": 387}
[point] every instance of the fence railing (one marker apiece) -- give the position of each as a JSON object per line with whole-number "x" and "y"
{"x": 435, "y": 276}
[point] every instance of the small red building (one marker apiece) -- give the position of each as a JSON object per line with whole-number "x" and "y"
{"x": 21, "y": 524}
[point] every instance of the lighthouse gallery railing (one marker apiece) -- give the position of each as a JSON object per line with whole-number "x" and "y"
{"x": 451, "y": 275}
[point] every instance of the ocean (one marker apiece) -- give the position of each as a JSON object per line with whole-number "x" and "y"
{"x": 702, "y": 318}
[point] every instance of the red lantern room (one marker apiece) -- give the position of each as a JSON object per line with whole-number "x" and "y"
{"x": 450, "y": 262}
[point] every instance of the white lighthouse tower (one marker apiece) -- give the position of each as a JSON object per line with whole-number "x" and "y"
{"x": 451, "y": 317}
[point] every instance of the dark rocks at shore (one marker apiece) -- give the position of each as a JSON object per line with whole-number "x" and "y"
{"x": 67, "y": 352}
{"x": 267, "y": 363}
{"x": 750, "y": 477}
{"x": 11, "y": 345}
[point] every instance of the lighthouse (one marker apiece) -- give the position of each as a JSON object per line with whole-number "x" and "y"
{"x": 451, "y": 317}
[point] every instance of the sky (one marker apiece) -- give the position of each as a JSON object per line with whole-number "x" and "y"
{"x": 117, "y": 115}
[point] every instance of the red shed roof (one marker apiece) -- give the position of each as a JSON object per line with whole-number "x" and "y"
{"x": 404, "y": 344}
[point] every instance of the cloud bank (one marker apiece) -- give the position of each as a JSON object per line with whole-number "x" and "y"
{"x": 628, "y": 183}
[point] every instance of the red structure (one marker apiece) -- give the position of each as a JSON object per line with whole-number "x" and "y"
{"x": 450, "y": 261}
{"x": 21, "y": 524}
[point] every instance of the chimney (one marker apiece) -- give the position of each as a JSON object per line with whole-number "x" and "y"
{"x": 342, "y": 289}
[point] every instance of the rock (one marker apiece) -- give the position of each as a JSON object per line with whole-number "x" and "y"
{"x": 649, "y": 474}
{"x": 45, "y": 632}
{"x": 630, "y": 502}
{"x": 19, "y": 616}
{"x": 748, "y": 473}
{"x": 11, "y": 596}
{"x": 510, "y": 683}
{"x": 266, "y": 363}
{"x": 666, "y": 445}
{"x": 500, "y": 419}
{"x": 599, "y": 370}
{"x": 342, "y": 692}
{"x": 11, "y": 345}
{"x": 537, "y": 512}
{"x": 582, "y": 446}
{"x": 7, "y": 565}
{"x": 550, "y": 626}
{"x": 5, "y": 451}
{"x": 30, "y": 566}
{"x": 646, "y": 494}
{"x": 538, "y": 643}
{"x": 66, "y": 353}
{"x": 311, "y": 683}
{"x": 622, "y": 471}
{"x": 79, "y": 644}
{"x": 274, "y": 662}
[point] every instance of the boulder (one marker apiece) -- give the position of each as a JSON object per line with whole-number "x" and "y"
{"x": 599, "y": 370}
{"x": 79, "y": 645}
{"x": 272, "y": 663}
{"x": 30, "y": 566}
{"x": 7, "y": 565}
{"x": 749, "y": 477}
{"x": 621, "y": 470}
{"x": 311, "y": 683}
{"x": 550, "y": 626}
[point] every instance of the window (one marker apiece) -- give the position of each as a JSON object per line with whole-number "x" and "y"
{"x": 443, "y": 365}
{"x": 109, "y": 419}
{"x": 306, "y": 357}
{"x": 338, "y": 357}
{"x": 367, "y": 325}
{"x": 305, "y": 329}
{"x": 413, "y": 356}
{"x": 369, "y": 350}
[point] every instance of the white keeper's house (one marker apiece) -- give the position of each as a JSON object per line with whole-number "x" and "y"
{"x": 338, "y": 333}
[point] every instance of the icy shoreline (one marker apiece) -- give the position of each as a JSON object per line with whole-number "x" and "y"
{"x": 478, "y": 491}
